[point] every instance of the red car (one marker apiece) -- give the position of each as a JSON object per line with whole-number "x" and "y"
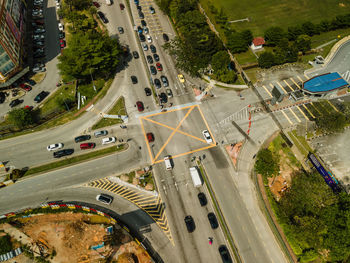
{"x": 62, "y": 43}
{"x": 150, "y": 137}
{"x": 121, "y": 6}
{"x": 87, "y": 145}
{"x": 159, "y": 66}
{"x": 140, "y": 106}
{"x": 97, "y": 5}
{"x": 25, "y": 87}
{"x": 28, "y": 107}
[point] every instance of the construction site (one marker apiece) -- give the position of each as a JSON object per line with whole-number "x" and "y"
{"x": 72, "y": 237}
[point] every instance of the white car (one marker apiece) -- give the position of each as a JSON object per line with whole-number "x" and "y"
{"x": 39, "y": 30}
{"x": 53, "y": 147}
{"x": 38, "y": 37}
{"x": 144, "y": 46}
{"x": 60, "y": 27}
{"x": 39, "y": 69}
{"x": 108, "y": 140}
{"x": 149, "y": 39}
{"x": 207, "y": 136}
{"x": 58, "y": 6}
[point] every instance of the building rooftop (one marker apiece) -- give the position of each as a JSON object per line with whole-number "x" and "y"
{"x": 324, "y": 83}
{"x": 258, "y": 41}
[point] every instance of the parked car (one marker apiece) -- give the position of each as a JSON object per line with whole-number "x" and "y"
{"x": 61, "y": 35}
{"x": 100, "y": 133}
{"x": 202, "y": 199}
{"x": 181, "y": 78}
{"x": 140, "y": 106}
{"x": 148, "y": 91}
{"x": 42, "y": 95}
{"x": 121, "y": 6}
{"x": 30, "y": 81}
{"x": 207, "y": 136}
{"x": 39, "y": 30}
{"x": 165, "y": 37}
{"x": 82, "y": 138}
{"x": 103, "y": 198}
{"x": 144, "y": 46}
{"x": 39, "y": 69}
{"x": 121, "y": 30}
{"x": 102, "y": 17}
{"x": 133, "y": 79}
{"x": 97, "y": 5}
{"x": 141, "y": 15}
{"x": 150, "y": 137}
{"x": 157, "y": 83}
{"x": 146, "y": 30}
{"x": 149, "y": 59}
{"x": 225, "y": 255}
{"x": 139, "y": 29}
{"x": 38, "y": 37}
{"x": 62, "y": 43}
{"x": 142, "y": 37}
{"x": 87, "y": 145}
{"x": 153, "y": 48}
{"x": 108, "y": 140}
{"x": 165, "y": 81}
{"x": 135, "y": 54}
{"x": 39, "y": 55}
{"x": 159, "y": 66}
{"x": 151, "y": 9}
{"x": 153, "y": 70}
{"x": 2, "y": 97}
{"x": 169, "y": 93}
{"x": 213, "y": 221}
{"x": 156, "y": 57}
{"x": 60, "y": 27}
{"x": 54, "y": 147}
{"x": 15, "y": 102}
{"x": 38, "y": 43}
{"x": 39, "y": 21}
{"x": 62, "y": 153}
{"x": 163, "y": 98}
{"x": 149, "y": 39}
{"x": 143, "y": 23}
{"x": 25, "y": 87}
{"x": 190, "y": 224}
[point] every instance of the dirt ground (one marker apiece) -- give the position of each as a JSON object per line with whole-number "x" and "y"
{"x": 71, "y": 235}
{"x": 278, "y": 73}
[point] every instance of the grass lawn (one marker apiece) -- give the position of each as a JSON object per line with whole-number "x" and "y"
{"x": 246, "y": 57}
{"x": 283, "y": 13}
{"x": 118, "y": 109}
{"x": 300, "y": 143}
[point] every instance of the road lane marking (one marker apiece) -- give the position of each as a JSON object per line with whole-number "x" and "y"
{"x": 300, "y": 79}
{"x": 294, "y": 115}
{"x": 288, "y": 85}
{"x": 281, "y": 87}
{"x": 332, "y": 106}
{"x": 267, "y": 90}
{"x": 295, "y": 83}
{"x": 285, "y": 115}
{"x": 316, "y": 108}
{"x": 302, "y": 113}
{"x": 313, "y": 116}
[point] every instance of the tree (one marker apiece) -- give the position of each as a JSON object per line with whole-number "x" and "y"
{"x": 21, "y": 117}
{"x": 220, "y": 60}
{"x": 78, "y": 4}
{"x": 236, "y": 42}
{"x": 266, "y": 164}
{"x": 5, "y": 244}
{"x": 247, "y": 35}
{"x": 303, "y": 43}
{"x": 331, "y": 122}
{"x": 309, "y": 28}
{"x": 226, "y": 76}
{"x": 16, "y": 174}
{"x": 273, "y": 35}
{"x": 266, "y": 59}
{"x": 294, "y": 32}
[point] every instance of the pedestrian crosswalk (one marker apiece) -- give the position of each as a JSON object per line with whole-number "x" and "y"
{"x": 346, "y": 75}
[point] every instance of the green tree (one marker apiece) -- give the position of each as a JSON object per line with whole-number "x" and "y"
{"x": 21, "y": 117}
{"x": 331, "y": 122}
{"x": 78, "y": 4}
{"x": 221, "y": 18}
{"x": 273, "y": 35}
{"x": 220, "y": 60}
{"x": 266, "y": 163}
{"x": 236, "y": 42}
{"x": 266, "y": 59}
{"x": 226, "y": 76}
{"x": 294, "y": 32}
{"x": 247, "y": 35}
{"x": 16, "y": 174}
{"x": 5, "y": 244}
{"x": 309, "y": 28}
{"x": 303, "y": 43}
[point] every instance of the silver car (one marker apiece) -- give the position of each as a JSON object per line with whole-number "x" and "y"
{"x": 101, "y": 133}
{"x": 53, "y": 147}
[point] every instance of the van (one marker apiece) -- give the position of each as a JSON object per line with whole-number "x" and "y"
{"x": 108, "y": 2}
{"x": 168, "y": 164}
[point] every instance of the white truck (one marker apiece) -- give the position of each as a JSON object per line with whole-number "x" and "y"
{"x": 196, "y": 177}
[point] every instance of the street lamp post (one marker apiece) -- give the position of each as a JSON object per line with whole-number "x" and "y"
{"x": 93, "y": 83}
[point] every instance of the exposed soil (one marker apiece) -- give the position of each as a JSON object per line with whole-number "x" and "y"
{"x": 278, "y": 73}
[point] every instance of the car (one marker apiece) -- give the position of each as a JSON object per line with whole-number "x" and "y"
{"x": 87, "y": 145}
{"x": 39, "y": 30}
{"x": 39, "y": 55}
{"x": 225, "y": 255}
{"x": 15, "y": 102}
{"x": 140, "y": 106}
{"x": 100, "y": 133}
{"x": 103, "y": 198}
{"x": 30, "y": 81}
{"x": 97, "y": 5}
{"x": 58, "y": 6}
{"x": 142, "y": 37}
{"x": 61, "y": 35}
{"x": 190, "y": 224}
{"x": 28, "y": 107}
{"x": 38, "y": 37}
{"x": 144, "y": 46}
{"x": 207, "y": 136}
{"x": 139, "y": 7}
{"x": 121, "y": 30}
{"x": 165, "y": 37}
{"x": 62, "y": 43}
{"x": 39, "y": 69}
{"x": 157, "y": 83}
{"x": 148, "y": 91}
{"x": 213, "y": 221}
{"x": 163, "y": 98}
{"x": 39, "y": 43}
{"x": 139, "y": 29}
{"x": 133, "y": 79}
{"x": 169, "y": 93}
{"x": 39, "y": 64}
{"x": 54, "y": 147}
{"x": 108, "y": 140}
{"x": 153, "y": 70}
{"x": 146, "y": 30}
{"x": 149, "y": 39}
{"x": 165, "y": 81}
{"x": 62, "y": 153}
{"x": 38, "y": 50}
{"x": 42, "y": 95}
{"x": 156, "y": 57}
{"x": 102, "y": 17}
{"x": 151, "y": 9}
{"x": 149, "y": 59}
{"x": 39, "y": 21}
{"x": 121, "y": 6}
{"x": 2, "y": 97}
{"x": 38, "y": 4}
{"x": 150, "y": 137}
{"x": 181, "y": 78}
{"x": 141, "y": 15}
{"x": 159, "y": 66}
{"x": 202, "y": 199}
{"x": 37, "y": 12}
{"x": 143, "y": 23}
{"x": 60, "y": 27}
{"x": 82, "y": 138}
{"x": 153, "y": 48}
{"x": 25, "y": 87}
{"x": 135, "y": 54}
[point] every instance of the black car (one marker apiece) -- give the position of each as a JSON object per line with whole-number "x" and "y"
{"x": 152, "y": 48}
{"x": 42, "y": 95}
{"x": 2, "y": 97}
{"x": 142, "y": 37}
{"x": 213, "y": 221}
{"x": 135, "y": 54}
{"x": 225, "y": 255}
{"x": 190, "y": 224}
{"x": 15, "y": 102}
{"x": 156, "y": 57}
{"x": 165, "y": 81}
{"x": 102, "y": 17}
{"x": 149, "y": 59}
{"x": 139, "y": 7}
{"x": 202, "y": 199}
{"x": 165, "y": 37}
{"x": 141, "y": 15}
{"x": 163, "y": 98}
{"x": 157, "y": 83}
{"x": 61, "y": 35}
{"x": 153, "y": 70}
{"x": 62, "y": 153}
{"x": 39, "y": 55}
{"x": 82, "y": 138}
{"x": 31, "y": 82}
{"x": 148, "y": 91}
{"x": 133, "y": 79}
{"x": 143, "y": 23}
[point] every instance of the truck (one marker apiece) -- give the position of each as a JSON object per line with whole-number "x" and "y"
{"x": 168, "y": 163}
{"x": 196, "y": 177}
